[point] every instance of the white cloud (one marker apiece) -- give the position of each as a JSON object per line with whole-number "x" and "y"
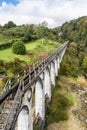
{"x": 55, "y": 12}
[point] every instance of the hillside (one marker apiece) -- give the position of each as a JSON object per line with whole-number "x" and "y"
{"x": 10, "y": 32}
{"x": 38, "y": 40}
{"x": 67, "y": 110}
{"x": 74, "y": 66}
{"x": 75, "y": 61}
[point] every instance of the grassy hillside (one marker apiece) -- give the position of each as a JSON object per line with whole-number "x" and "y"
{"x": 74, "y": 64}
{"x": 25, "y": 33}
{"x": 62, "y": 101}
{"x": 34, "y": 37}
{"x": 34, "y": 50}
{"x": 11, "y": 63}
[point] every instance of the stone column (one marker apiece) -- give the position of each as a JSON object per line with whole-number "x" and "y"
{"x": 58, "y": 60}
{"x": 52, "y": 73}
{"x": 56, "y": 67}
{"x": 47, "y": 84}
{"x": 39, "y": 99}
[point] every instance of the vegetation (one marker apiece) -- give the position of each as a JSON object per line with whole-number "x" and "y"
{"x": 74, "y": 64}
{"x": 75, "y": 61}
{"x": 25, "y": 33}
{"x": 11, "y": 63}
{"x": 85, "y": 64}
{"x": 21, "y": 42}
{"x": 19, "y": 48}
{"x": 39, "y": 42}
{"x": 10, "y": 24}
{"x": 62, "y": 100}
{"x": 34, "y": 50}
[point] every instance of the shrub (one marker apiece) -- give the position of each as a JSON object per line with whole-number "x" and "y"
{"x": 2, "y": 71}
{"x": 57, "y": 111}
{"x": 4, "y": 80}
{"x": 60, "y": 104}
{"x": 16, "y": 70}
{"x": 10, "y": 24}
{"x": 19, "y": 48}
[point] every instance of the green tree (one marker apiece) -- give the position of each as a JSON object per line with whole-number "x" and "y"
{"x": 10, "y": 24}
{"x": 19, "y": 48}
{"x": 29, "y": 34}
{"x": 42, "y": 30}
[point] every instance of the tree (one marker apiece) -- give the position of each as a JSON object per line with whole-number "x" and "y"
{"x": 42, "y": 31}
{"x": 28, "y": 36}
{"x": 10, "y": 24}
{"x": 19, "y": 48}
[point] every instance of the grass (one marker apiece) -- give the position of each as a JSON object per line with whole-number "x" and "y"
{"x": 82, "y": 81}
{"x": 35, "y": 51}
{"x": 72, "y": 99}
{"x": 1, "y": 85}
{"x": 62, "y": 100}
{"x": 33, "y": 48}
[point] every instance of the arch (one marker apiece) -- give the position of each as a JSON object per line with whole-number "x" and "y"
{"x": 29, "y": 94}
{"x": 39, "y": 99}
{"x": 48, "y": 70}
{"x": 47, "y": 84}
{"x": 42, "y": 76}
{"x": 52, "y": 73}
{"x": 23, "y": 119}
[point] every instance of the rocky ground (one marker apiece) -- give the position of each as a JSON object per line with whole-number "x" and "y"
{"x": 77, "y": 114}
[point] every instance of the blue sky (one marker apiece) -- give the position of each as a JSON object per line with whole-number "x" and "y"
{"x": 14, "y": 2}
{"x": 54, "y": 12}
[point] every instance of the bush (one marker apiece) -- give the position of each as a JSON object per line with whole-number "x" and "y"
{"x": 10, "y": 24}
{"x": 4, "y": 80}
{"x": 19, "y": 48}
{"x": 16, "y": 70}
{"x": 60, "y": 104}
{"x": 57, "y": 111}
{"x": 2, "y": 71}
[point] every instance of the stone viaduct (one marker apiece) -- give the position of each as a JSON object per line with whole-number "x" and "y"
{"x": 24, "y": 103}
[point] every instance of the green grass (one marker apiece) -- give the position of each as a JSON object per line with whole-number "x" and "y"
{"x": 62, "y": 100}
{"x": 1, "y": 85}
{"x": 72, "y": 99}
{"x": 33, "y": 48}
{"x": 35, "y": 51}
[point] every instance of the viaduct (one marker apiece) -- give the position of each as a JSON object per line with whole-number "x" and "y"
{"x": 24, "y": 102}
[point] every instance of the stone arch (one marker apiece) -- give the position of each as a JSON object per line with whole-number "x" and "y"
{"x": 23, "y": 119}
{"x": 39, "y": 99}
{"x": 52, "y": 73}
{"x": 47, "y": 84}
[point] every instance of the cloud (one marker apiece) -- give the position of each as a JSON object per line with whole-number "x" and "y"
{"x": 36, "y": 11}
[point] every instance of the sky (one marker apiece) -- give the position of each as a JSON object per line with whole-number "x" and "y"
{"x": 54, "y": 12}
